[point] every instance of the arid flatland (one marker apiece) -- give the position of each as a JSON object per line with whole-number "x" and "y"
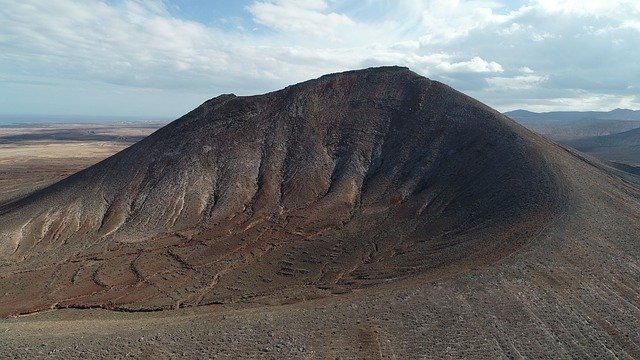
{"x": 33, "y": 156}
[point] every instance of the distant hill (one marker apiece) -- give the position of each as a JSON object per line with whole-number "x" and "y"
{"x": 623, "y": 147}
{"x": 570, "y": 125}
{"x": 21, "y": 120}
{"x": 525, "y": 116}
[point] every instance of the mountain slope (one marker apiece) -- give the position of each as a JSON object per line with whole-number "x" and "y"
{"x": 372, "y": 177}
{"x": 379, "y": 215}
{"x": 336, "y": 183}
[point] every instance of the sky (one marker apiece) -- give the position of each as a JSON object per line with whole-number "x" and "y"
{"x": 160, "y": 59}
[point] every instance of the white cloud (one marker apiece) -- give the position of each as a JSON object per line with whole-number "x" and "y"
{"x": 306, "y": 16}
{"x": 476, "y": 65}
{"x": 541, "y": 37}
{"x": 631, "y": 24}
{"x": 520, "y": 82}
{"x": 587, "y": 8}
{"x": 510, "y": 30}
{"x": 137, "y": 44}
{"x": 444, "y": 21}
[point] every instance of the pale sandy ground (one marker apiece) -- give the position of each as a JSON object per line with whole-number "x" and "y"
{"x": 32, "y": 157}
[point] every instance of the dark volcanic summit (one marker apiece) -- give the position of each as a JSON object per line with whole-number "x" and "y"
{"x": 331, "y": 185}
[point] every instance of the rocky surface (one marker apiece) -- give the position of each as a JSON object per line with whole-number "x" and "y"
{"x": 372, "y": 214}
{"x": 349, "y": 180}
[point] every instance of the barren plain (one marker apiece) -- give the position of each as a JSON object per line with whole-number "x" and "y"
{"x": 33, "y": 156}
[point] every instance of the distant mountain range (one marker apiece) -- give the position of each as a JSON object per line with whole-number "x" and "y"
{"x": 525, "y": 116}
{"x": 8, "y": 120}
{"x": 622, "y": 147}
{"x": 571, "y": 125}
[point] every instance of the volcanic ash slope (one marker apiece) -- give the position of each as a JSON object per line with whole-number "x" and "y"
{"x": 335, "y": 184}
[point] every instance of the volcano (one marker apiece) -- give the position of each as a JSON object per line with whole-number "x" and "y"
{"x": 350, "y": 182}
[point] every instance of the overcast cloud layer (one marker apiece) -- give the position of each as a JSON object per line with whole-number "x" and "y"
{"x": 154, "y": 58}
